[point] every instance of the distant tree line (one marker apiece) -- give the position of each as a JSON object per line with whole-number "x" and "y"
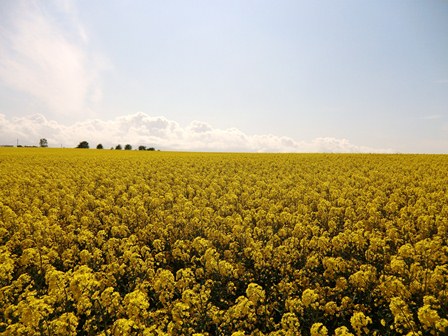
{"x": 85, "y": 144}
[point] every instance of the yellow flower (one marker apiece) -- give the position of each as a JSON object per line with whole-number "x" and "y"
{"x": 331, "y": 308}
{"x": 136, "y": 304}
{"x": 66, "y": 324}
{"x": 429, "y": 317}
{"x": 122, "y": 327}
{"x": 406, "y": 251}
{"x": 359, "y": 323}
{"x": 318, "y": 329}
{"x": 294, "y": 305}
{"x": 110, "y": 300}
{"x": 309, "y": 297}
{"x": 180, "y": 313}
{"x": 255, "y": 293}
{"x": 342, "y": 331}
{"x": 363, "y": 278}
{"x": 164, "y": 286}
{"x": 6, "y": 265}
{"x": 290, "y": 322}
{"x": 403, "y": 319}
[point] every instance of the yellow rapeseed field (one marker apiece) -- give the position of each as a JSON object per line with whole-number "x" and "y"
{"x": 102, "y": 242}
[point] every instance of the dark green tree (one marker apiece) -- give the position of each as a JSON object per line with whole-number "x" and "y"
{"x": 128, "y": 147}
{"x": 99, "y": 146}
{"x": 83, "y": 144}
{"x": 43, "y": 142}
{"x": 118, "y": 147}
{"x": 141, "y": 147}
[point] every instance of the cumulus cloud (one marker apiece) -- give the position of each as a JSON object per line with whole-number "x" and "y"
{"x": 44, "y": 52}
{"x": 162, "y": 133}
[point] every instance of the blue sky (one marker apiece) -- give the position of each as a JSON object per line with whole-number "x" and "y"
{"x": 227, "y": 75}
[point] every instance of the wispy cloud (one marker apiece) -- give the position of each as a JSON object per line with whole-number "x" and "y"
{"x": 431, "y": 117}
{"x": 44, "y": 52}
{"x": 160, "y": 132}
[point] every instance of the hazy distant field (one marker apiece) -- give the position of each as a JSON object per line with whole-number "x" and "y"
{"x": 102, "y": 242}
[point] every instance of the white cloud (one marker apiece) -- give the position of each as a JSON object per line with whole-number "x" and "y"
{"x": 162, "y": 133}
{"x": 46, "y": 55}
{"x": 431, "y": 117}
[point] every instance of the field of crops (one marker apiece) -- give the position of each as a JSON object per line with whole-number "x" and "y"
{"x": 102, "y": 242}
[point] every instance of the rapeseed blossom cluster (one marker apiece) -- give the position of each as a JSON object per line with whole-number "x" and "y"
{"x": 151, "y": 243}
